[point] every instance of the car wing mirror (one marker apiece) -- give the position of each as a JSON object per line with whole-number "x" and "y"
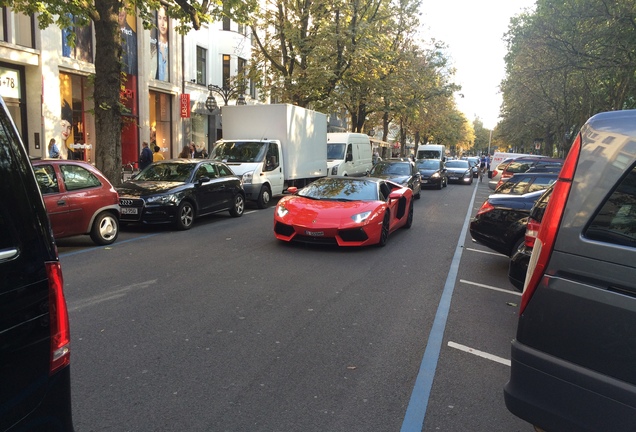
{"x": 204, "y": 179}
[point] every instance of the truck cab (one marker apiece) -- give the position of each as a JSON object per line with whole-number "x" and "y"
{"x": 259, "y": 163}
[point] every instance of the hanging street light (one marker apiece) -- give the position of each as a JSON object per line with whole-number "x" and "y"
{"x": 226, "y": 94}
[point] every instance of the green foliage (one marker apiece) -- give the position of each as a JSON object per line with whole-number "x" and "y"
{"x": 567, "y": 60}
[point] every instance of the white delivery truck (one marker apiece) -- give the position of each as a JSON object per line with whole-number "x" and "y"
{"x": 431, "y": 151}
{"x": 348, "y": 154}
{"x": 272, "y": 147}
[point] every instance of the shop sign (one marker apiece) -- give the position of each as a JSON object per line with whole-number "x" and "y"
{"x": 185, "y": 106}
{"x": 9, "y": 83}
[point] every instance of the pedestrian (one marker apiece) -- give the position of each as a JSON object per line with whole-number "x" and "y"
{"x": 157, "y": 156}
{"x": 145, "y": 158}
{"x": 54, "y": 151}
{"x": 185, "y": 153}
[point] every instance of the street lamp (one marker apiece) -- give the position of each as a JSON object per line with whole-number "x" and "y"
{"x": 226, "y": 94}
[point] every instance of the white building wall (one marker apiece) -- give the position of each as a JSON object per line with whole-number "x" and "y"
{"x": 44, "y": 63}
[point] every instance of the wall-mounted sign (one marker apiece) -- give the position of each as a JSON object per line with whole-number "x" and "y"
{"x": 9, "y": 83}
{"x": 185, "y": 105}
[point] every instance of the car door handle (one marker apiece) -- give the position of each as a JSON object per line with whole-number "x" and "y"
{"x": 61, "y": 202}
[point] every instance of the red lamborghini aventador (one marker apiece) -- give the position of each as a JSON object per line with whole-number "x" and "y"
{"x": 344, "y": 211}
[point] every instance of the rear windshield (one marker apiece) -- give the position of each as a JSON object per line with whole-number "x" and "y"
{"x": 616, "y": 221}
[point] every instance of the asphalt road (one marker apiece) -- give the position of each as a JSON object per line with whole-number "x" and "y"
{"x": 224, "y": 328}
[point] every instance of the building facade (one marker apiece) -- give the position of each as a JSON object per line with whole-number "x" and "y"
{"x": 46, "y": 83}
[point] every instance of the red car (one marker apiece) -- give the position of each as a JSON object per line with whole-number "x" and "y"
{"x": 79, "y": 199}
{"x": 344, "y": 211}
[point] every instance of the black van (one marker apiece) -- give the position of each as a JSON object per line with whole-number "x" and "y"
{"x": 573, "y": 361}
{"x": 35, "y": 385}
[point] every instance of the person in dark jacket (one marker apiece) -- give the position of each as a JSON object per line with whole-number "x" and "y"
{"x": 145, "y": 158}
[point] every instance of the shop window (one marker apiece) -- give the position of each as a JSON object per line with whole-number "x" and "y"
{"x": 202, "y": 54}
{"x": 160, "y": 115}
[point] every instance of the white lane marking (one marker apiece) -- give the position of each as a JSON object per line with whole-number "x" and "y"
{"x": 479, "y": 353}
{"x": 485, "y": 252}
{"x": 490, "y": 287}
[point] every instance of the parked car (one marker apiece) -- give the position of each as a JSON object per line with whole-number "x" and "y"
{"x": 524, "y": 183}
{"x": 178, "y": 191}
{"x": 500, "y": 223}
{"x": 401, "y": 171}
{"x": 78, "y": 199}
{"x": 523, "y": 164}
{"x": 344, "y": 211}
{"x": 572, "y": 361}
{"x": 35, "y": 389}
{"x": 459, "y": 171}
{"x": 521, "y": 257}
{"x": 495, "y": 175}
{"x": 432, "y": 173}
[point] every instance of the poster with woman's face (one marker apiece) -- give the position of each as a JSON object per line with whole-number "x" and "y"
{"x": 162, "y": 45}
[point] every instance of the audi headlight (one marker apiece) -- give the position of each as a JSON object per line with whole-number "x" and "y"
{"x": 436, "y": 175}
{"x": 247, "y": 177}
{"x": 162, "y": 199}
{"x": 361, "y": 217}
{"x": 281, "y": 210}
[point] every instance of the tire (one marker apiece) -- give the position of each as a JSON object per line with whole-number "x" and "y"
{"x": 185, "y": 216}
{"x": 409, "y": 218}
{"x": 384, "y": 235}
{"x": 264, "y": 197}
{"x": 238, "y": 206}
{"x": 105, "y": 229}
{"x": 517, "y": 244}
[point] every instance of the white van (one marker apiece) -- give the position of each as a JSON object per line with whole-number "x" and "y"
{"x": 431, "y": 151}
{"x": 348, "y": 154}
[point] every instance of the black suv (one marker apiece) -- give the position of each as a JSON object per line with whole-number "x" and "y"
{"x": 573, "y": 361}
{"x": 34, "y": 329}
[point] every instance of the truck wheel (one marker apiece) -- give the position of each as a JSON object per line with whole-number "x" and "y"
{"x": 264, "y": 197}
{"x": 105, "y": 229}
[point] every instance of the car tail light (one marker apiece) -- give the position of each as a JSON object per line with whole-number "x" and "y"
{"x": 546, "y": 236}
{"x": 532, "y": 229}
{"x": 58, "y": 315}
{"x": 485, "y": 208}
{"x": 494, "y": 173}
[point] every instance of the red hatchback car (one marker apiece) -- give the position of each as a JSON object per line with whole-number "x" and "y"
{"x": 79, "y": 199}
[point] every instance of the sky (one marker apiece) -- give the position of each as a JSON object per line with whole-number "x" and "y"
{"x": 473, "y": 31}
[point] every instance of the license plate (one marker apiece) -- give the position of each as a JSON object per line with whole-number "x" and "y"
{"x": 315, "y": 233}
{"x": 454, "y": 178}
{"x": 424, "y": 181}
{"x": 129, "y": 210}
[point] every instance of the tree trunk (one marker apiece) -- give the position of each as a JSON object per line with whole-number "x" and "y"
{"x": 108, "y": 119}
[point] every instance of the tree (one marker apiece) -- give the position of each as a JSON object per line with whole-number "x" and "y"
{"x": 103, "y": 15}
{"x": 567, "y": 61}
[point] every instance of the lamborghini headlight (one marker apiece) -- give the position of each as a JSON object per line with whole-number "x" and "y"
{"x": 361, "y": 217}
{"x": 281, "y": 210}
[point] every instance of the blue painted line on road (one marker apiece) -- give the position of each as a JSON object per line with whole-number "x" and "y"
{"x": 416, "y": 410}
{"x": 66, "y": 254}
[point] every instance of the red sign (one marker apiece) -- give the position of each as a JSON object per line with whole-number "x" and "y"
{"x": 185, "y": 106}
